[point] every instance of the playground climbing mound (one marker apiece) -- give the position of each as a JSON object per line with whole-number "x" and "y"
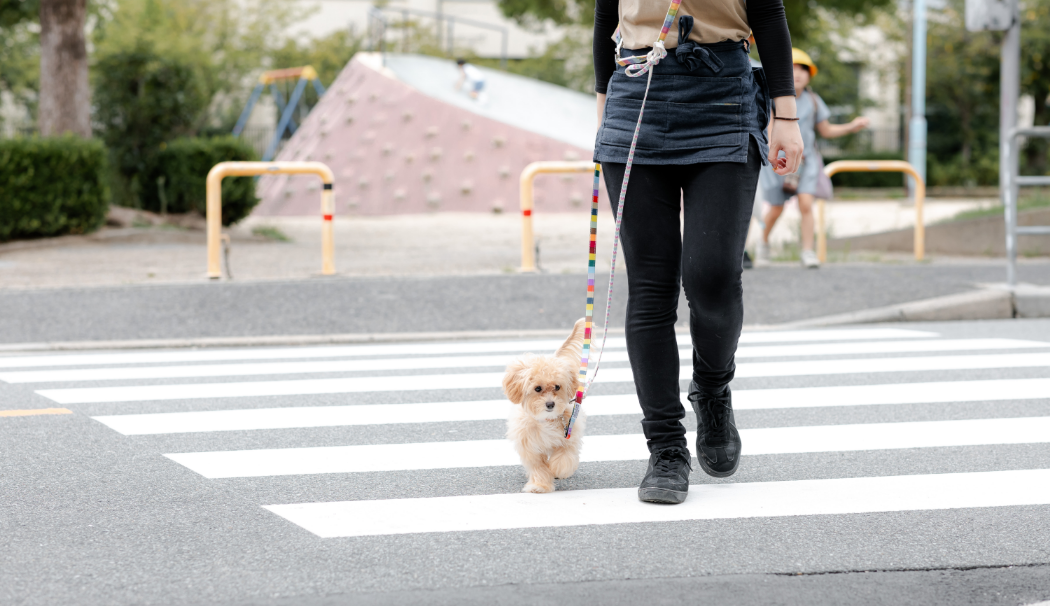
{"x": 401, "y": 139}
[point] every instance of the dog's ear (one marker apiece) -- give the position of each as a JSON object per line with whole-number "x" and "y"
{"x": 572, "y": 348}
{"x": 514, "y": 380}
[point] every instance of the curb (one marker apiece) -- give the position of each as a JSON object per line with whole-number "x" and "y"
{"x": 992, "y": 302}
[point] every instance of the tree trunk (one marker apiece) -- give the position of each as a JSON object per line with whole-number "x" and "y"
{"x": 65, "y": 99}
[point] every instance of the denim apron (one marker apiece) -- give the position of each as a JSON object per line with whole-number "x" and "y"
{"x": 705, "y": 101}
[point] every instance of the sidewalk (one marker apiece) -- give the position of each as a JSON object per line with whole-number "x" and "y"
{"x": 408, "y": 245}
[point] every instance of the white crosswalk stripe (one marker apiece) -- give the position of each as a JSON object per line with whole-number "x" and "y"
{"x": 494, "y": 379}
{"x": 420, "y": 349}
{"x": 317, "y": 367}
{"x": 876, "y": 358}
{"x": 487, "y": 410}
{"x": 621, "y": 505}
{"x": 623, "y": 447}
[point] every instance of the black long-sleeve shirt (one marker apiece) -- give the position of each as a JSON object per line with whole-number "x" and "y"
{"x": 766, "y": 19}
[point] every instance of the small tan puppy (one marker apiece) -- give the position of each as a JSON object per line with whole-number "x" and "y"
{"x": 544, "y": 388}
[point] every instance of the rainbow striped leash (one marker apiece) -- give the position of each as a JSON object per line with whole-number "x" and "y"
{"x": 635, "y": 66}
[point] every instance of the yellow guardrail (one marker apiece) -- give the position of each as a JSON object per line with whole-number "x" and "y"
{"x": 893, "y": 166}
{"x": 251, "y": 169}
{"x": 528, "y": 251}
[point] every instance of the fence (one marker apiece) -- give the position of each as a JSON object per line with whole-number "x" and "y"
{"x": 1009, "y": 193}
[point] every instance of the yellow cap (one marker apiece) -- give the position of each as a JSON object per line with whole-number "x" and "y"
{"x": 799, "y": 57}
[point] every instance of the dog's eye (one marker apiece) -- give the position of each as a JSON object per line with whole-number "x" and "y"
{"x": 557, "y": 387}
{"x": 538, "y": 389}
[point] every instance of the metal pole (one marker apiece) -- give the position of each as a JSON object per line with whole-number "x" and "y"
{"x": 503, "y": 51}
{"x": 917, "y": 125}
{"x": 451, "y": 37}
{"x": 1009, "y": 90}
{"x": 440, "y": 16}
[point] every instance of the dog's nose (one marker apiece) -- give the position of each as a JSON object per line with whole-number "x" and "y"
{"x": 550, "y": 405}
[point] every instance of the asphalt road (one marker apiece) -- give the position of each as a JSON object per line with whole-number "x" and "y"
{"x": 93, "y": 515}
{"x": 382, "y": 305}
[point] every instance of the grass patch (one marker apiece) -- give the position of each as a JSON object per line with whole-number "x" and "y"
{"x": 270, "y": 233}
{"x": 1041, "y": 200}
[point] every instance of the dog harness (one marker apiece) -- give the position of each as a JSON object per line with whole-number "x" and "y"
{"x": 635, "y": 66}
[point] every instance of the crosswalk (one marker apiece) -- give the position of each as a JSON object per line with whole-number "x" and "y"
{"x": 173, "y": 395}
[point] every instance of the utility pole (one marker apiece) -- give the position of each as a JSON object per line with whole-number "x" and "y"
{"x": 917, "y": 124}
{"x": 1004, "y": 16}
{"x": 1009, "y": 92}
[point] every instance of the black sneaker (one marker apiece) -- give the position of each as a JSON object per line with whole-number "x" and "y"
{"x": 667, "y": 480}
{"x": 717, "y": 440}
{"x": 748, "y": 263}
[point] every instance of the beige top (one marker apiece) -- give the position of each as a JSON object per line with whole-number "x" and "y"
{"x": 715, "y": 21}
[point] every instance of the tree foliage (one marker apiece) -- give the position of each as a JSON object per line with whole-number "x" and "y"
{"x": 328, "y": 55}
{"x": 146, "y": 96}
{"x": 962, "y": 94}
{"x": 171, "y": 68}
{"x": 962, "y": 101}
{"x": 176, "y": 179}
{"x": 1035, "y": 76}
{"x": 52, "y": 186}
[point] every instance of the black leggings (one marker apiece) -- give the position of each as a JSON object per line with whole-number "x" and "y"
{"x": 706, "y": 257}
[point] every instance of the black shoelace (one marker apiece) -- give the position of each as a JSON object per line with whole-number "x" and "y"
{"x": 718, "y": 409}
{"x": 668, "y": 461}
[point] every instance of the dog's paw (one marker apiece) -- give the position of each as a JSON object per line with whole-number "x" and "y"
{"x": 536, "y": 488}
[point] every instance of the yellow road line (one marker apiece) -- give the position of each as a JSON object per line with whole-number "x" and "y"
{"x": 36, "y": 411}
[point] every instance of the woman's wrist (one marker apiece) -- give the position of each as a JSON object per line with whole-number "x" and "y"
{"x": 784, "y": 107}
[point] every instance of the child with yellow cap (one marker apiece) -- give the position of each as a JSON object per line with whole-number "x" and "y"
{"x": 813, "y": 116}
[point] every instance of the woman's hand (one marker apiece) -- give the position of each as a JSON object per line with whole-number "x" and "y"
{"x": 784, "y": 136}
{"x": 859, "y": 124}
{"x": 601, "y": 108}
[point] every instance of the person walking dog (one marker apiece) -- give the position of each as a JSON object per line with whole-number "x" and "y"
{"x": 700, "y": 144}
{"x": 813, "y": 116}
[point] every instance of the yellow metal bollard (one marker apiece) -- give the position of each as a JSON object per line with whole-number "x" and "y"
{"x": 528, "y": 252}
{"x": 893, "y": 166}
{"x": 250, "y": 169}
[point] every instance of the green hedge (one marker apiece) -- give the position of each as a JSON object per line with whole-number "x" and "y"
{"x": 175, "y": 180}
{"x": 867, "y": 179}
{"x": 51, "y": 186}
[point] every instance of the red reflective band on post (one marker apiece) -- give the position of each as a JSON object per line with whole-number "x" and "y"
{"x": 327, "y": 217}
{"x": 527, "y": 213}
